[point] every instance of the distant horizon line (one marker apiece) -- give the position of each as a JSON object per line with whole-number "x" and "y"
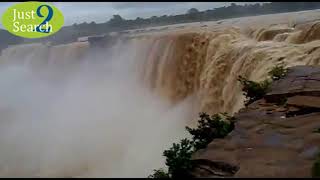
{"x": 1, "y": 28}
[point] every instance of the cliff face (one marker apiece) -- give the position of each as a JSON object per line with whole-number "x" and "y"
{"x": 271, "y": 140}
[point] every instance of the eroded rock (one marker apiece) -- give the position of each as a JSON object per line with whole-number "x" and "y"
{"x": 266, "y": 142}
{"x": 304, "y": 101}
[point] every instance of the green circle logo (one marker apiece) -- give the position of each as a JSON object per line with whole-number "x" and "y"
{"x": 32, "y": 19}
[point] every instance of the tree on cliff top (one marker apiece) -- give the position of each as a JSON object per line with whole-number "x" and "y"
{"x": 192, "y": 11}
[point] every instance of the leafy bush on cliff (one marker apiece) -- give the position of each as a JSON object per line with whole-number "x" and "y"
{"x": 278, "y": 72}
{"x": 209, "y": 128}
{"x": 178, "y": 157}
{"x": 178, "y": 161}
{"x": 256, "y": 90}
{"x": 253, "y": 90}
{"x": 160, "y": 173}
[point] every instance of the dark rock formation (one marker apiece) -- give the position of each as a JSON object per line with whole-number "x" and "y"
{"x": 300, "y": 80}
{"x": 271, "y": 140}
{"x": 101, "y": 41}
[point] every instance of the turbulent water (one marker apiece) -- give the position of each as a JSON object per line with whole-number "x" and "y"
{"x": 72, "y": 111}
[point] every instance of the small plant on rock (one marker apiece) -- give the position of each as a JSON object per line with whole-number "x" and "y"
{"x": 278, "y": 72}
{"x": 253, "y": 90}
{"x": 316, "y": 130}
{"x": 209, "y": 128}
{"x": 160, "y": 173}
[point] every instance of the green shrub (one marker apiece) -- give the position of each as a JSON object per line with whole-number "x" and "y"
{"x": 178, "y": 161}
{"x": 160, "y": 173}
{"x": 316, "y": 130}
{"x": 278, "y": 72}
{"x": 209, "y": 128}
{"x": 316, "y": 168}
{"x": 178, "y": 158}
{"x": 281, "y": 101}
{"x": 253, "y": 90}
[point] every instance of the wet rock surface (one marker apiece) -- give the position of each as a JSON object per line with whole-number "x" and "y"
{"x": 271, "y": 140}
{"x": 300, "y": 80}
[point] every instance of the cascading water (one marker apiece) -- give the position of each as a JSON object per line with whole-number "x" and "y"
{"x": 69, "y": 112}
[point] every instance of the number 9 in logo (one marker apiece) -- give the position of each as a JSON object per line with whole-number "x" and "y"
{"x": 46, "y": 21}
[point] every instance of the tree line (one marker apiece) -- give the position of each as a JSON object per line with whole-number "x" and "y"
{"x": 119, "y": 24}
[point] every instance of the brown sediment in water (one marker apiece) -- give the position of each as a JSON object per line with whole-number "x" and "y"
{"x": 200, "y": 63}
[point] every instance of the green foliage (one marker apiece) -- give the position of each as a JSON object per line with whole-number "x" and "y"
{"x": 178, "y": 158}
{"x": 209, "y": 128}
{"x": 278, "y": 72}
{"x": 317, "y": 130}
{"x": 160, "y": 173}
{"x": 254, "y": 90}
{"x": 315, "y": 171}
{"x": 281, "y": 101}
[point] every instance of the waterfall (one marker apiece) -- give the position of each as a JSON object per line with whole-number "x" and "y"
{"x": 75, "y": 111}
